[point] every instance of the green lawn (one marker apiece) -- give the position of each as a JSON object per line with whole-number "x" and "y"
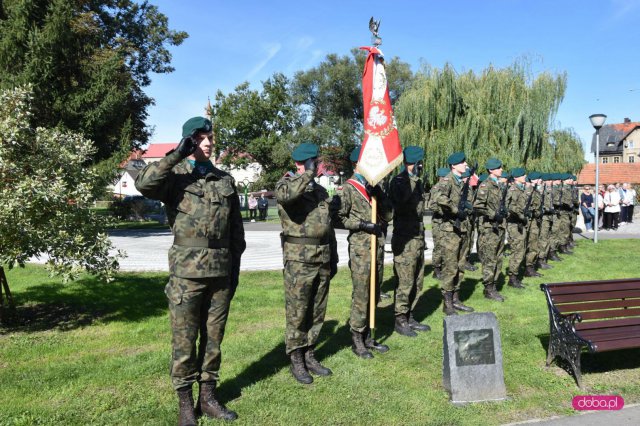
{"x": 93, "y": 353}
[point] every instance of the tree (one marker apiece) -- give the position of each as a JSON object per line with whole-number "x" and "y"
{"x": 257, "y": 126}
{"x": 501, "y": 112}
{"x": 45, "y": 195}
{"x": 88, "y": 61}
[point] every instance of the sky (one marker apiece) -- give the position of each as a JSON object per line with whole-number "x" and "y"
{"x": 596, "y": 42}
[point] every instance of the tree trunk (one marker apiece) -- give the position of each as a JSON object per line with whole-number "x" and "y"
{"x": 4, "y": 285}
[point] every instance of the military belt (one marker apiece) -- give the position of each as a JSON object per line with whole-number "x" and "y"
{"x": 306, "y": 240}
{"x": 201, "y": 242}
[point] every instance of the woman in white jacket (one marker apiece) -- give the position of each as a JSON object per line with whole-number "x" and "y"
{"x": 611, "y": 208}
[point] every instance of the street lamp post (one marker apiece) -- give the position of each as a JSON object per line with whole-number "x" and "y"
{"x": 597, "y": 121}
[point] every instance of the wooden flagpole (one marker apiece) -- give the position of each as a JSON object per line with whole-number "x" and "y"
{"x": 372, "y": 281}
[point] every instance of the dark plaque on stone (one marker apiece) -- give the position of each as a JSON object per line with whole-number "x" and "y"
{"x": 472, "y": 365}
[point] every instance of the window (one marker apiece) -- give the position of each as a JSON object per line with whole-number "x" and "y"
{"x": 124, "y": 184}
{"x": 630, "y": 145}
{"x": 632, "y": 159}
{"x": 605, "y": 160}
{"x": 616, "y": 159}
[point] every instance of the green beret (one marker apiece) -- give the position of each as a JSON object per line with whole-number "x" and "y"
{"x": 456, "y": 158}
{"x": 196, "y": 125}
{"x": 304, "y": 151}
{"x": 355, "y": 154}
{"x": 482, "y": 177}
{"x": 534, "y": 175}
{"x": 443, "y": 171}
{"x": 413, "y": 154}
{"x": 546, "y": 176}
{"x": 566, "y": 176}
{"x": 493, "y": 163}
{"x": 505, "y": 175}
{"x": 517, "y": 172}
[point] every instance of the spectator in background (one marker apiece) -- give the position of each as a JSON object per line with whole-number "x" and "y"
{"x": 253, "y": 207}
{"x": 587, "y": 208}
{"x": 633, "y": 195}
{"x": 611, "y": 208}
{"x": 263, "y": 205}
{"x": 627, "y": 197}
{"x": 600, "y": 205}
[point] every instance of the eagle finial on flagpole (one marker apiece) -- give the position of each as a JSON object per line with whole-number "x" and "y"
{"x": 376, "y": 40}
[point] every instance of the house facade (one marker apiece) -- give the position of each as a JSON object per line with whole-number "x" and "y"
{"x": 619, "y": 143}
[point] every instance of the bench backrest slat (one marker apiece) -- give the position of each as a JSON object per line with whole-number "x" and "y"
{"x": 623, "y": 322}
{"x": 593, "y": 306}
{"x": 610, "y": 313}
{"x": 586, "y": 297}
{"x": 593, "y": 287}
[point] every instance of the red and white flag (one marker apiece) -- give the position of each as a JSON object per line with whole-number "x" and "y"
{"x": 381, "y": 151}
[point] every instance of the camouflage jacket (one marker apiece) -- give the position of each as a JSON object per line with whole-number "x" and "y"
{"x": 306, "y": 213}
{"x": 448, "y": 199}
{"x": 199, "y": 209}
{"x": 536, "y": 201}
{"x": 546, "y": 200}
{"x": 562, "y": 198}
{"x": 432, "y": 203}
{"x": 409, "y": 202}
{"x": 516, "y": 201}
{"x": 354, "y": 207}
{"x": 487, "y": 202}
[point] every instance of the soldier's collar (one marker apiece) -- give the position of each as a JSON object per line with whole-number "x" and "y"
{"x": 458, "y": 178}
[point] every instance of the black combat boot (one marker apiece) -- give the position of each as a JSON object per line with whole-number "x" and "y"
{"x": 447, "y": 306}
{"x": 186, "y": 416}
{"x": 515, "y": 282}
{"x": 564, "y": 249}
{"x": 402, "y": 326}
{"x": 437, "y": 272}
{"x": 313, "y": 365}
{"x": 542, "y": 264}
{"x": 298, "y": 369}
{"x": 469, "y": 266}
{"x": 370, "y": 343}
{"x": 415, "y": 325}
{"x": 531, "y": 272}
{"x": 358, "y": 346}
{"x": 553, "y": 255}
{"x": 490, "y": 292}
{"x": 209, "y": 405}
{"x": 457, "y": 304}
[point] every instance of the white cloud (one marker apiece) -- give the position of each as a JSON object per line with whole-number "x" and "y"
{"x": 271, "y": 50}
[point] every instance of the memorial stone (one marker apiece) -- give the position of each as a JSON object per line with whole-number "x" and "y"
{"x": 472, "y": 364}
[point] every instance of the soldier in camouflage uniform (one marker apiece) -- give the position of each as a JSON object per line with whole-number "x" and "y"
{"x": 517, "y": 196}
{"x": 310, "y": 260}
{"x": 556, "y": 196}
{"x": 204, "y": 261}
{"x": 471, "y": 220}
{"x": 436, "y": 221}
{"x": 408, "y": 199}
{"x": 491, "y": 227}
{"x": 565, "y": 210}
{"x": 570, "y": 212}
{"x": 453, "y": 230}
{"x": 575, "y": 197}
{"x": 355, "y": 215}
{"x": 534, "y": 217}
{"x": 546, "y": 215}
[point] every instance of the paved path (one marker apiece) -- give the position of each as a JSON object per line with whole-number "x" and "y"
{"x": 628, "y": 416}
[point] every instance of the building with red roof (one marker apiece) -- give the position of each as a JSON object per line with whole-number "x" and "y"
{"x": 610, "y": 174}
{"x": 619, "y": 142}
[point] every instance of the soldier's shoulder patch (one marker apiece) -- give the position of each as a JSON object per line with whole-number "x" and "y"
{"x": 512, "y": 189}
{"x": 483, "y": 185}
{"x": 446, "y": 179}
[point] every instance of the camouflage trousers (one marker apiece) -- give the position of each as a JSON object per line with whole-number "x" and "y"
{"x": 198, "y": 308}
{"x": 453, "y": 260}
{"x": 306, "y": 291}
{"x": 533, "y": 234}
{"x": 518, "y": 243}
{"x": 557, "y": 232}
{"x": 408, "y": 268}
{"x": 436, "y": 255}
{"x": 491, "y": 250}
{"x": 544, "y": 237}
{"x": 360, "y": 265}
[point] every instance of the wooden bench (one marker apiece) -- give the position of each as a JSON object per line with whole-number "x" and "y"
{"x": 599, "y": 315}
